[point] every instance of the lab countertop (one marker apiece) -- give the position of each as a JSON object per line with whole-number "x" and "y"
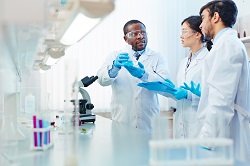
{"x": 105, "y": 143}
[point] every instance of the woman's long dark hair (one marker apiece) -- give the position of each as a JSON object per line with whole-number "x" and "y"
{"x": 194, "y": 23}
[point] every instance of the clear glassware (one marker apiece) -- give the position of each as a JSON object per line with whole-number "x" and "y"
{"x": 161, "y": 129}
{"x": 8, "y": 132}
{"x": 1, "y": 108}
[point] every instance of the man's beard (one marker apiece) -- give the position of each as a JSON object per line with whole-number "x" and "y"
{"x": 207, "y": 36}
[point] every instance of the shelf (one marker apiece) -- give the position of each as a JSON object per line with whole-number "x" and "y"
{"x": 245, "y": 39}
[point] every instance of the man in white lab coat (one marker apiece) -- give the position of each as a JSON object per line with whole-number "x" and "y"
{"x": 124, "y": 69}
{"x": 225, "y": 88}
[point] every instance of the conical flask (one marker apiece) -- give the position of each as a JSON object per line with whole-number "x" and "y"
{"x": 8, "y": 132}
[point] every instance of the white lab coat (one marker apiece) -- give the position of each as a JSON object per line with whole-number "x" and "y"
{"x": 185, "y": 120}
{"x": 225, "y": 82}
{"x": 131, "y": 104}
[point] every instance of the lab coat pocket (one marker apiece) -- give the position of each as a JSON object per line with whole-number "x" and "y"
{"x": 149, "y": 112}
{"x": 154, "y": 110}
{"x": 118, "y": 114}
{"x": 195, "y": 101}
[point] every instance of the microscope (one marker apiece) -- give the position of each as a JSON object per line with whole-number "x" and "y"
{"x": 85, "y": 105}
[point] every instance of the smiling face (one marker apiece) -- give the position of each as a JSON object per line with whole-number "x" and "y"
{"x": 206, "y": 25}
{"x": 136, "y": 36}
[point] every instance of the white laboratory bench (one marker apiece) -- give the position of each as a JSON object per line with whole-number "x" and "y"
{"x": 106, "y": 143}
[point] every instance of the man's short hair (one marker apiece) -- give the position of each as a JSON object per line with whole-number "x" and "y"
{"x": 129, "y": 23}
{"x": 227, "y": 10}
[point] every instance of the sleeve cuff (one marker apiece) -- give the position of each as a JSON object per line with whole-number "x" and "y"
{"x": 113, "y": 71}
{"x": 189, "y": 95}
{"x": 144, "y": 77}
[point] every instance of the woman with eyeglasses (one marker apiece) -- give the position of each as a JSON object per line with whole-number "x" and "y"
{"x": 185, "y": 120}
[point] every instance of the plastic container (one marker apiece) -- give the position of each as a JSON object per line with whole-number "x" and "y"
{"x": 67, "y": 124}
{"x": 41, "y": 138}
{"x": 191, "y": 152}
{"x": 30, "y": 103}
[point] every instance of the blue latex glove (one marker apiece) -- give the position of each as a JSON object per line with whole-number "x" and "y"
{"x": 195, "y": 89}
{"x": 121, "y": 59}
{"x": 178, "y": 93}
{"x": 135, "y": 71}
{"x": 156, "y": 86}
{"x": 169, "y": 83}
{"x": 167, "y": 87}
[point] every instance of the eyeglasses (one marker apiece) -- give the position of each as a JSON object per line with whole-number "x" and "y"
{"x": 186, "y": 33}
{"x": 134, "y": 34}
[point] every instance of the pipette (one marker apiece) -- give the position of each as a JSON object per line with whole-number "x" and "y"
{"x": 159, "y": 75}
{"x": 165, "y": 80}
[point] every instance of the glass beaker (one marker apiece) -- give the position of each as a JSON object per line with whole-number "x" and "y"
{"x": 8, "y": 132}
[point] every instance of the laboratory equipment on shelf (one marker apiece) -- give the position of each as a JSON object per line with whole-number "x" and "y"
{"x": 85, "y": 105}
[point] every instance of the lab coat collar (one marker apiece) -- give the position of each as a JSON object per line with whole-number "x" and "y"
{"x": 195, "y": 55}
{"x": 219, "y": 34}
{"x": 147, "y": 54}
{"x": 230, "y": 31}
{"x": 140, "y": 52}
{"x": 199, "y": 55}
{"x": 144, "y": 56}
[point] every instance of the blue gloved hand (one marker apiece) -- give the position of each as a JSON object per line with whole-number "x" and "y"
{"x": 121, "y": 59}
{"x": 156, "y": 86}
{"x": 195, "y": 89}
{"x": 169, "y": 83}
{"x": 135, "y": 71}
{"x": 167, "y": 87}
{"x": 178, "y": 93}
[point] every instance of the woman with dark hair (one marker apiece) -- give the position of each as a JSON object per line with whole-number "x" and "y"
{"x": 185, "y": 120}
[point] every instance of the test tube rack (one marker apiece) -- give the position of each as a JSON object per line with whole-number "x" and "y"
{"x": 41, "y": 138}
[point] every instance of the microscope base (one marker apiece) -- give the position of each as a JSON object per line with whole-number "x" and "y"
{"x": 87, "y": 118}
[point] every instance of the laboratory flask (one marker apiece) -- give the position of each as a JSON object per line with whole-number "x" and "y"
{"x": 8, "y": 132}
